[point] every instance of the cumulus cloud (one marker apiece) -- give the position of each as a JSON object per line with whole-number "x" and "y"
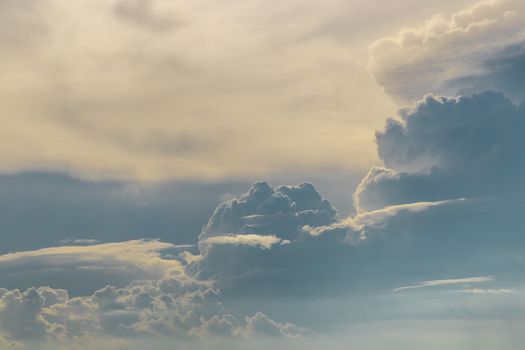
{"x": 260, "y": 324}
{"x": 266, "y": 210}
{"x": 445, "y": 202}
{"x": 260, "y": 240}
{"x": 173, "y": 305}
{"x": 476, "y": 49}
{"x": 289, "y": 241}
{"x": 451, "y": 178}
{"x": 447, "y": 148}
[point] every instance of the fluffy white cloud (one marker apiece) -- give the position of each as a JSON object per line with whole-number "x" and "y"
{"x": 476, "y": 49}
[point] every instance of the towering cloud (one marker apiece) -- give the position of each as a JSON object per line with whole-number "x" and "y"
{"x": 447, "y": 148}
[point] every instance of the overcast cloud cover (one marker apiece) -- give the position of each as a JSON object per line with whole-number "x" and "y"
{"x": 428, "y": 252}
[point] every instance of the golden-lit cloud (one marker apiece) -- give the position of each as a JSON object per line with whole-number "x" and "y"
{"x": 160, "y": 89}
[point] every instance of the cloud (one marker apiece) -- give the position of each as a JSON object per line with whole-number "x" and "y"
{"x": 267, "y": 210}
{"x": 260, "y": 324}
{"x": 446, "y": 200}
{"x": 451, "y": 179}
{"x": 252, "y": 240}
{"x": 257, "y": 241}
{"x": 158, "y": 81}
{"x": 370, "y": 218}
{"x": 142, "y": 12}
{"x": 486, "y": 291}
{"x": 447, "y": 148}
{"x": 448, "y": 282}
{"x": 410, "y": 227}
{"x": 60, "y": 207}
{"x": 476, "y": 49}
{"x": 78, "y": 241}
{"x": 83, "y": 269}
{"x": 173, "y": 305}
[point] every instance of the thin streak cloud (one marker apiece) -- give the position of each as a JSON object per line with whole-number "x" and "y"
{"x": 447, "y": 282}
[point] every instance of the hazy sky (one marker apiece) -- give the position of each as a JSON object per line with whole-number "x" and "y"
{"x": 249, "y": 174}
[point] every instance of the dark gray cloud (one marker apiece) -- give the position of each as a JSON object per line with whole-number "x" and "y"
{"x": 447, "y": 148}
{"x": 268, "y": 210}
{"x": 41, "y": 209}
{"x": 45, "y": 209}
{"x": 452, "y": 178}
{"x": 255, "y": 242}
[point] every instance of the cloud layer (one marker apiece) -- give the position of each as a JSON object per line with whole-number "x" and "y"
{"x": 156, "y": 89}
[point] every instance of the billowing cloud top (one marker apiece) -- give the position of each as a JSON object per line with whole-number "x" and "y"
{"x": 267, "y": 210}
{"x": 476, "y": 49}
{"x": 448, "y": 148}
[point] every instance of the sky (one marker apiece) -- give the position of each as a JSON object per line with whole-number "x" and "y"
{"x": 249, "y": 174}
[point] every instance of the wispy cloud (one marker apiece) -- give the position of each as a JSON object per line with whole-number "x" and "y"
{"x": 373, "y": 217}
{"x": 447, "y": 282}
{"x": 486, "y": 291}
{"x": 253, "y": 240}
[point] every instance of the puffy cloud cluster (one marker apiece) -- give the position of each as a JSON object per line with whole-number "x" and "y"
{"x": 260, "y": 240}
{"x": 257, "y": 325}
{"x": 476, "y": 49}
{"x": 173, "y": 305}
{"x": 265, "y": 210}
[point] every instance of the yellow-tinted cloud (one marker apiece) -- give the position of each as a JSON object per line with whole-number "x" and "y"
{"x": 161, "y": 89}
